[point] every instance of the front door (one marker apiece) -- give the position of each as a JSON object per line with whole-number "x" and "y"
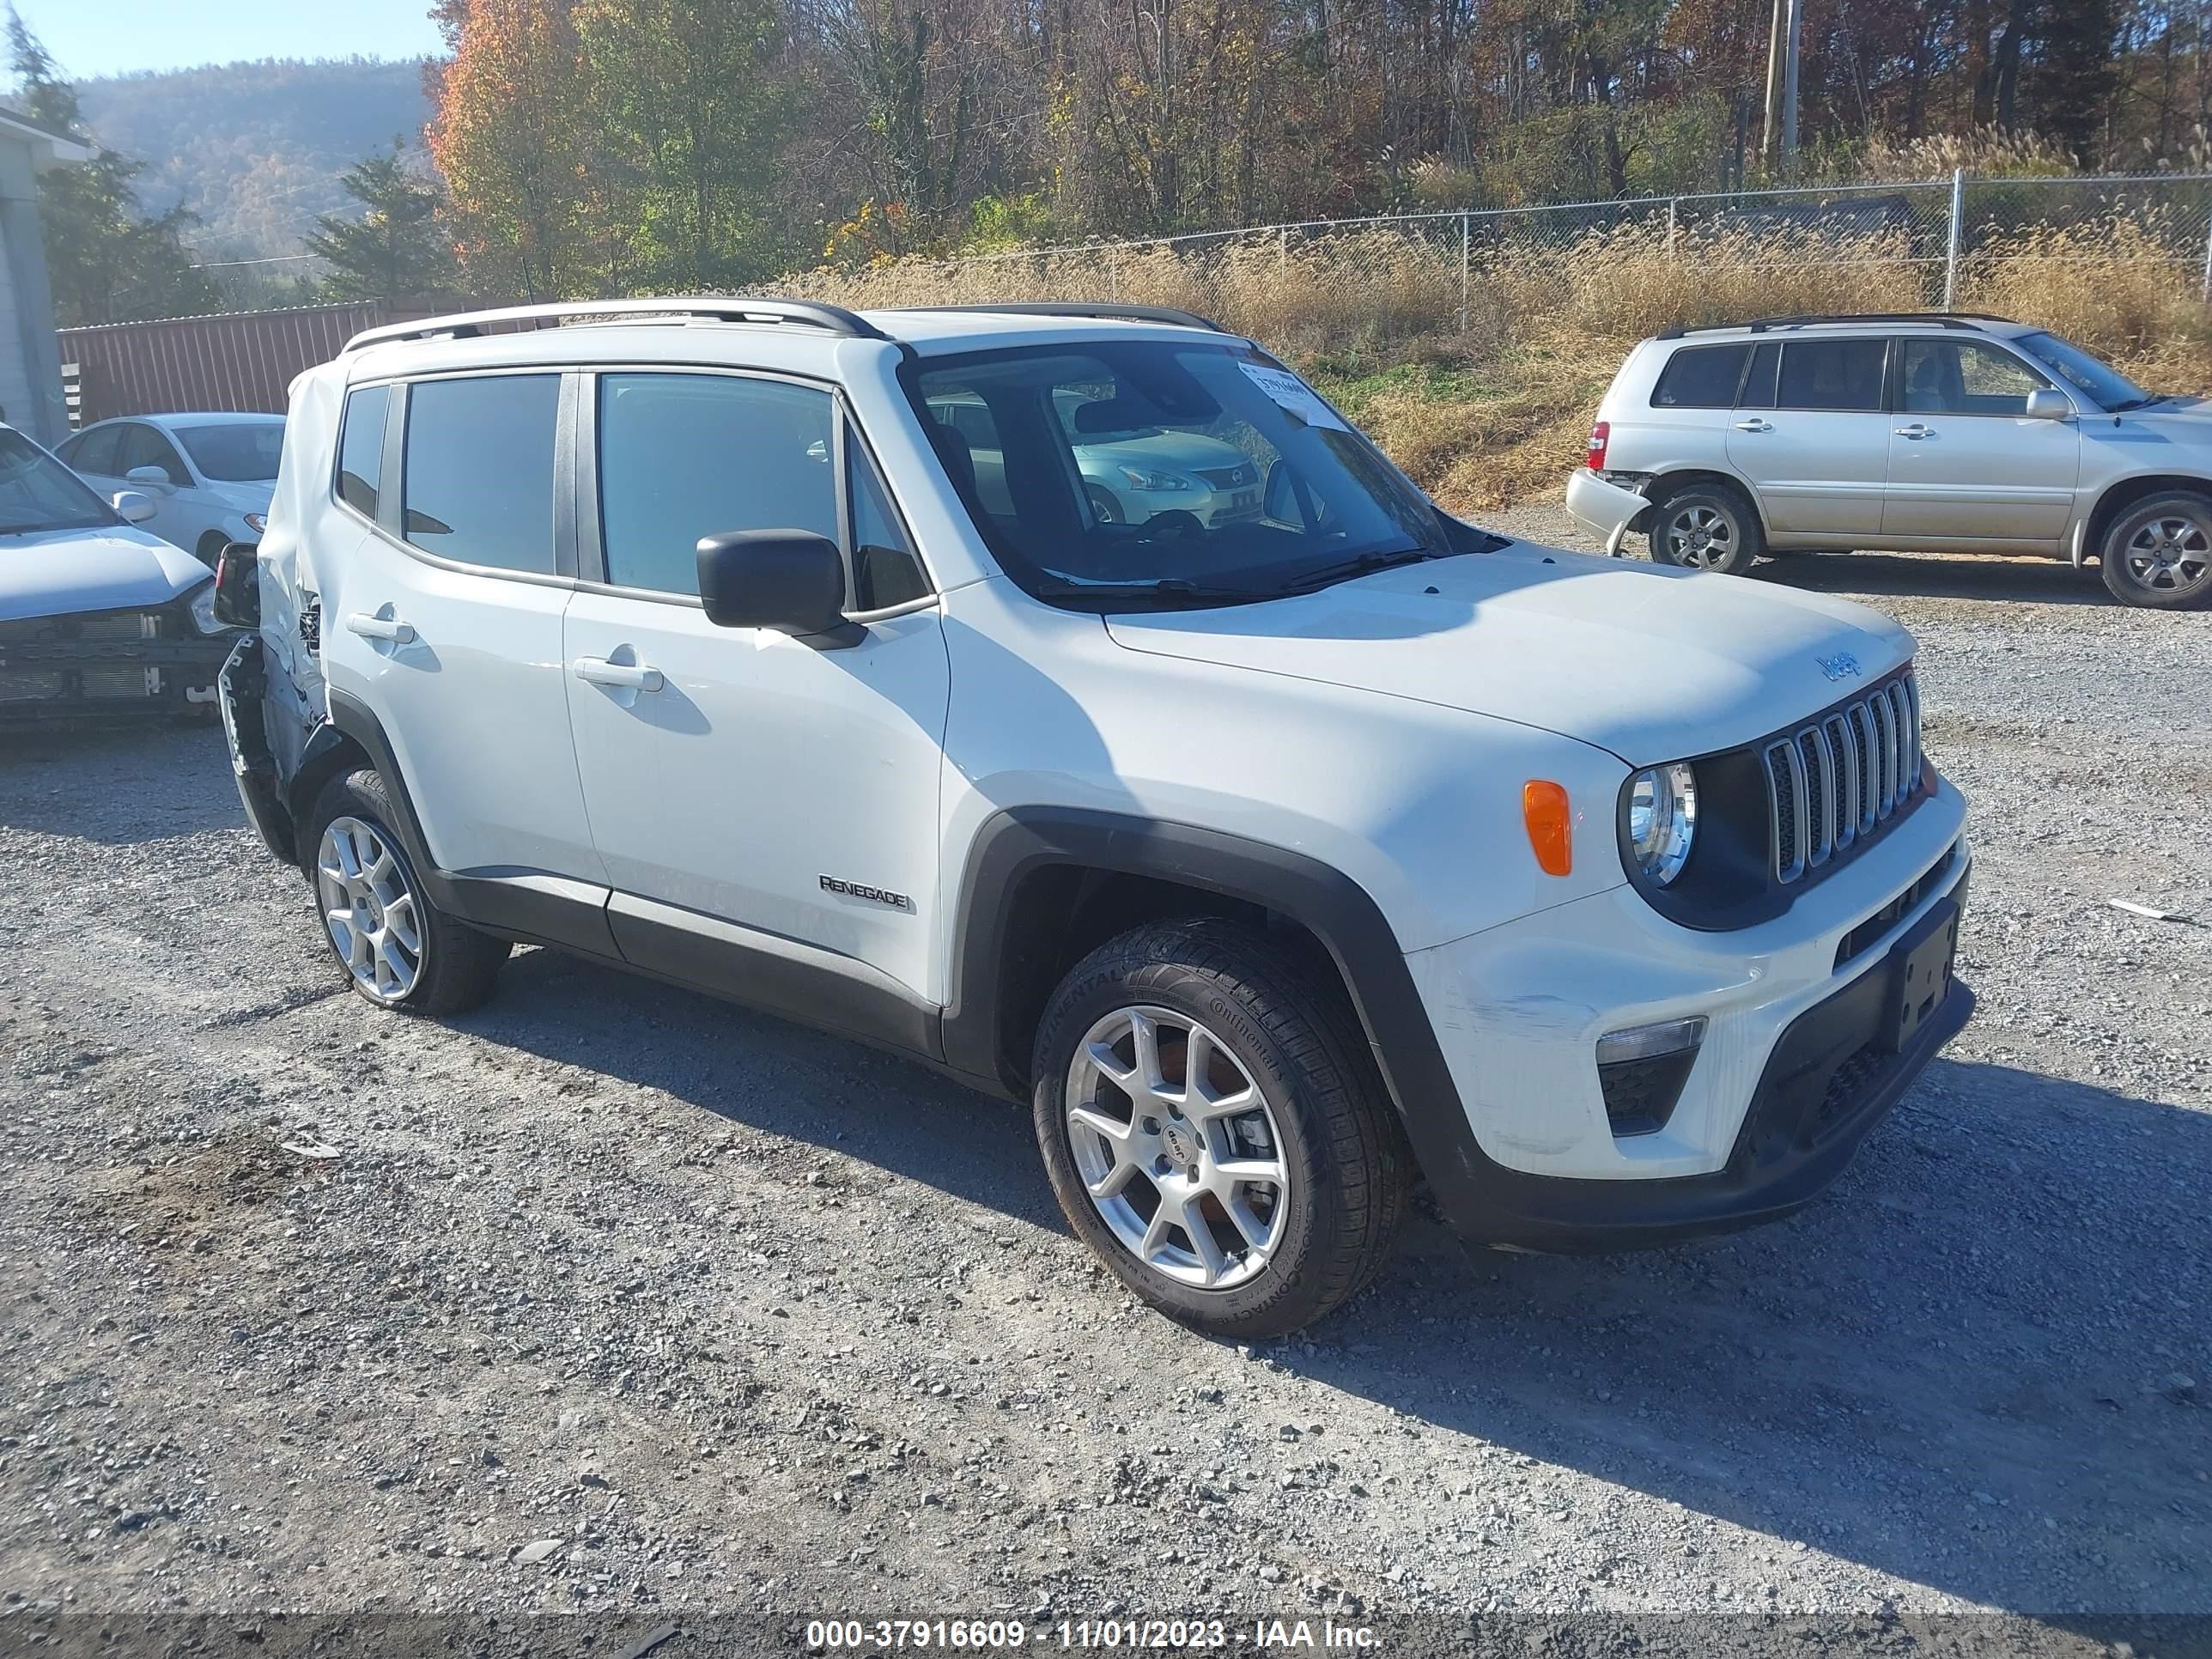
{"x": 1966, "y": 464}
{"x": 740, "y": 775}
{"x": 1811, "y": 436}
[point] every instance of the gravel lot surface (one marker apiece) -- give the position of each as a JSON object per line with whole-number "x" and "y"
{"x": 614, "y": 1298}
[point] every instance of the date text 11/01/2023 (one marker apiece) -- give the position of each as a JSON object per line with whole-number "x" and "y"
{"x": 1168, "y": 1635}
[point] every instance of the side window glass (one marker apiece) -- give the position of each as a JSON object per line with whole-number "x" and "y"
{"x": 1700, "y": 377}
{"x": 1759, "y": 380}
{"x": 361, "y": 448}
{"x": 684, "y": 456}
{"x": 142, "y": 445}
{"x": 1993, "y": 382}
{"x": 884, "y": 569}
{"x": 477, "y": 484}
{"x": 93, "y": 451}
{"x": 1831, "y": 375}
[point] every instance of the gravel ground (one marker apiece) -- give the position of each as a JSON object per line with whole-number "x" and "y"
{"x": 610, "y": 1297}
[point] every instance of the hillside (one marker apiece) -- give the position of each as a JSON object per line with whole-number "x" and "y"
{"x": 255, "y": 150}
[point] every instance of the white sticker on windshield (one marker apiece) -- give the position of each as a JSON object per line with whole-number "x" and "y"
{"x": 1293, "y": 394}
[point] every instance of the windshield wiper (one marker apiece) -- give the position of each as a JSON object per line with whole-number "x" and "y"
{"x": 1362, "y": 564}
{"x": 1163, "y": 589}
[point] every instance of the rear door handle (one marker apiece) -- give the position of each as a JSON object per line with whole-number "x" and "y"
{"x": 635, "y": 677}
{"x": 1754, "y": 424}
{"x": 380, "y": 627}
{"x": 1915, "y": 431}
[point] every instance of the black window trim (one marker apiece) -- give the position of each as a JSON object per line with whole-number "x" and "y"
{"x": 587, "y": 513}
{"x": 2004, "y": 347}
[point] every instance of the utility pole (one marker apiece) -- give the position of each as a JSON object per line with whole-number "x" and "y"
{"x": 1780, "y": 141}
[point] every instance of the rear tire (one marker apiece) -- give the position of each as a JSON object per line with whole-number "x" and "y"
{"x": 1259, "y": 1199}
{"x": 2158, "y": 554}
{"x": 400, "y": 950}
{"x": 1707, "y": 527}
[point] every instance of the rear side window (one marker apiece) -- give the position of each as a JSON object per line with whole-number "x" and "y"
{"x": 684, "y": 456}
{"x": 1831, "y": 375}
{"x": 93, "y": 451}
{"x": 1701, "y": 377}
{"x": 361, "y": 448}
{"x": 478, "y": 482}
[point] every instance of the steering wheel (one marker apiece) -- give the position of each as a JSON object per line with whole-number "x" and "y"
{"x": 1178, "y": 522}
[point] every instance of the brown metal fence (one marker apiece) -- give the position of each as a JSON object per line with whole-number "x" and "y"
{"x": 246, "y": 362}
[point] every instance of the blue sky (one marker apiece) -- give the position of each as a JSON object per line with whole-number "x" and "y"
{"x": 89, "y": 37}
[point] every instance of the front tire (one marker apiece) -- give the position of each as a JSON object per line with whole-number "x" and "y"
{"x": 2159, "y": 553}
{"x": 1707, "y": 527}
{"x": 1248, "y": 1197}
{"x": 400, "y": 950}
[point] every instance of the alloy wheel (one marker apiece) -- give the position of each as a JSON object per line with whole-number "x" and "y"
{"x": 1178, "y": 1148}
{"x": 1700, "y": 535}
{"x": 2168, "y": 555}
{"x": 369, "y": 907}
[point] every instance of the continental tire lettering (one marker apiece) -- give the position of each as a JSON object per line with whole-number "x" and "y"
{"x": 862, "y": 890}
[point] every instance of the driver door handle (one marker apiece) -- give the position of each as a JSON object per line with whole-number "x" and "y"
{"x": 380, "y": 627}
{"x": 1915, "y": 431}
{"x": 635, "y": 677}
{"x": 1754, "y": 424}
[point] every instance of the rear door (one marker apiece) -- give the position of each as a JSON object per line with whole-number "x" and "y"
{"x": 1812, "y": 435}
{"x": 1966, "y": 464}
{"x": 444, "y": 619}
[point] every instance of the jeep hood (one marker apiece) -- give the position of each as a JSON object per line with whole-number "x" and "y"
{"x": 57, "y": 572}
{"x": 1648, "y": 661}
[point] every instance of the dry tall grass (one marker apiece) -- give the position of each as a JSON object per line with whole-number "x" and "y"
{"x": 1507, "y": 386}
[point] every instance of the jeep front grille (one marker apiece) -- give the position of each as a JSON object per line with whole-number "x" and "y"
{"x": 1837, "y": 781}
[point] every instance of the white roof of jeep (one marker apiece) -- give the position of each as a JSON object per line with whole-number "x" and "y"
{"x": 753, "y": 333}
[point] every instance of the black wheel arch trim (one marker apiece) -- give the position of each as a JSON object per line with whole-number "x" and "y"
{"x": 1016, "y": 843}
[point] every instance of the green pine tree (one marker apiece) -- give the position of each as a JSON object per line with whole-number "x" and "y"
{"x": 396, "y": 250}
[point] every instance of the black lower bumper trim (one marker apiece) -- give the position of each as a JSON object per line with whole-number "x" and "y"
{"x": 241, "y": 685}
{"x": 1827, "y": 1086}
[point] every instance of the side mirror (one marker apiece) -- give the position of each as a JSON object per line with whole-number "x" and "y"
{"x": 131, "y": 506}
{"x": 1279, "y": 501}
{"x": 790, "y": 581}
{"x": 237, "y": 584}
{"x": 154, "y": 477}
{"x": 2048, "y": 403}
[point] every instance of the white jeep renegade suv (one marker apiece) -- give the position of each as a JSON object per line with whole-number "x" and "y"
{"x": 1273, "y": 857}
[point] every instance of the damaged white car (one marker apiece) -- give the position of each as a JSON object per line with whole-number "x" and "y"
{"x": 97, "y": 617}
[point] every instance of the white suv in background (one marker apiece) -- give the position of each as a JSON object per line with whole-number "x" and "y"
{"x": 1911, "y": 433}
{"x": 1270, "y": 858}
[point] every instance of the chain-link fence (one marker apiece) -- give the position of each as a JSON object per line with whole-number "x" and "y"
{"x": 1960, "y": 242}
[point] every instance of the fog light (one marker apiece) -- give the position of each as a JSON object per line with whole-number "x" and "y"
{"x": 1641, "y": 1072}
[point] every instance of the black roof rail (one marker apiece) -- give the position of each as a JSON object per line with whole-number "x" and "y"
{"x": 1167, "y": 314}
{"x": 832, "y": 319}
{"x": 1962, "y": 319}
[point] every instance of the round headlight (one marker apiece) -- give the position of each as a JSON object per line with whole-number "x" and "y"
{"x": 1662, "y": 820}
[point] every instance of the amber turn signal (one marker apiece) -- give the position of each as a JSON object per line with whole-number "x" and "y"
{"x": 1551, "y": 826}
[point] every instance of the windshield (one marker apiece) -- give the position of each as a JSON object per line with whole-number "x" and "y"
{"x": 1180, "y": 473}
{"x": 2111, "y": 389}
{"x": 37, "y": 492}
{"x": 241, "y": 452}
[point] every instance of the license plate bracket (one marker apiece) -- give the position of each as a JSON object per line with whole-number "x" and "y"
{"x": 1920, "y": 965}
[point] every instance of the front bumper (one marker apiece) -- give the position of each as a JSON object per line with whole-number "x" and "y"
{"x": 1605, "y": 509}
{"x": 1791, "y": 1076}
{"x": 112, "y": 676}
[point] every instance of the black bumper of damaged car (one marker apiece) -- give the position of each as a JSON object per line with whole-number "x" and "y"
{"x": 108, "y": 679}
